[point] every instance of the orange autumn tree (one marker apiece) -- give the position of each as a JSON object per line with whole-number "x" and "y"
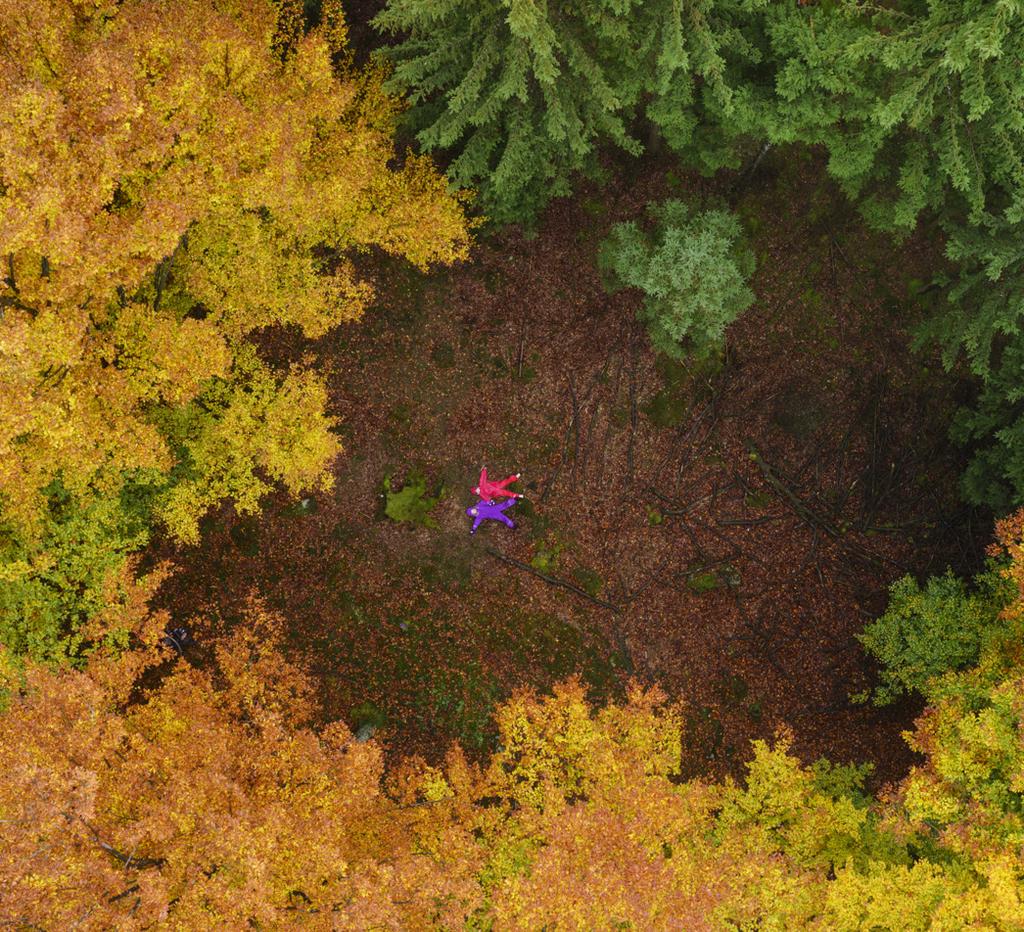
{"x": 173, "y": 177}
{"x": 200, "y": 797}
{"x": 208, "y": 802}
{"x": 144, "y": 790}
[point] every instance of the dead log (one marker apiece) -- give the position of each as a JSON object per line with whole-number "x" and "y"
{"x": 551, "y": 580}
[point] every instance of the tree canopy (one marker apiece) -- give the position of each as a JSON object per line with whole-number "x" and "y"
{"x": 524, "y": 93}
{"x": 177, "y": 177}
{"x": 215, "y": 798}
{"x": 173, "y": 178}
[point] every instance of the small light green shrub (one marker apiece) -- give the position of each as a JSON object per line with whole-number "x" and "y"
{"x": 693, "y": 268}
{"x": 411, "y": 502}
{"x": 50, "y": 587}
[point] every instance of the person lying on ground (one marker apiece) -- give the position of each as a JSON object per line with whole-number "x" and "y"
{"x": 492, "y": 510}
{"x": 489, "y": 490}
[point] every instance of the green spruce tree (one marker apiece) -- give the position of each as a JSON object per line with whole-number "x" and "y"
{"x": 919, "y": 104}
{"x": 522, "y": 93}
{"x": 921, "y": 108}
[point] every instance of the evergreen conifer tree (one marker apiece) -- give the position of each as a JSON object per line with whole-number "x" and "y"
{"x": 523, "y": 92}
{"x": 921, "y": 108}
{"x": 919, "y": 104}
{"x": 693, "y": 270}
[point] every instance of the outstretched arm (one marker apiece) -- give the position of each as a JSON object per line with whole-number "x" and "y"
{"x": 477, "y": 521}
{"x": 508, "y": 481}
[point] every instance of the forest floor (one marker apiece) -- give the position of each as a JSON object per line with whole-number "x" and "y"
{"x": 723, "y": 532}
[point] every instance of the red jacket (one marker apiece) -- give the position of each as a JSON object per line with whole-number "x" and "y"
{"x": 488, "y": 490}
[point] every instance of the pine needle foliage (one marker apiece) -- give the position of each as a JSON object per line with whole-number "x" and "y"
{"x": 921, "y": 108}
{"x": 919, "y": 104}
{"x": 523, "y": 92}
{"x": 982, "y": 322}
{"x": 692, "y": 267}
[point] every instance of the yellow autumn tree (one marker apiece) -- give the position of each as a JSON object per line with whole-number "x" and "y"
{"x": 173, "y": 177}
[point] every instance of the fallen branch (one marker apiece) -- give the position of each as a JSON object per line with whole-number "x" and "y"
{"x": 576, "y": 428}
{"x": 690, "y": 436}
{"x": 650, "y": 579}
{"x": 610, "y": 424}
{"x": 807, "y": 514}
{"x": 745, "y": 176}
{"x": 736, "y": 550}
{"x": 748, "y": 522}
{"x": 587, "y": 438}
{"x": 693, "y": 506}
{"x": 551, "y": 580}
{"x": 633, "y": 418}
{"x": 561, "y": 462}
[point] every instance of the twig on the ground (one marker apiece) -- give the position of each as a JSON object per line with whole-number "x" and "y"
{"x": 611, "y": 408}
{"x": 551, "y": 580}
{"x": 815, "y": 520}
{"x": 633, "y": 418}
{"x": 748, "y": 173}
{"x": 711, "y": 407}
{"x": 688, "y": 531}
{"x": 842, "y": 252}
{"x": 691, "y": 507}
{"x": 736, "y": 551}
{"x": 870, "y": 473}
{"x": 587, "y": 437}
{"x": 873, "y": 399}
{"x": 759, "y": 637}
{"x": 636, "y": 593}
{"x": 748, "y": 522}
{"x": 576, "y": 429}
{"x": 800, "y": 507}
{"x": 561, "y": 461}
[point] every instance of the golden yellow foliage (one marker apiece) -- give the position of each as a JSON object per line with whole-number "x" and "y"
{"x": 173, "y": 177}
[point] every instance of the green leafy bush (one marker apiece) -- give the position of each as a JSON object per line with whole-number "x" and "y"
{"x": 927, "y": 632}
{"x": 411, "y": 502}
{"x": 53, "y": 584}
{"x": 693, "y": 268}
{"x": 545, "y": 557}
